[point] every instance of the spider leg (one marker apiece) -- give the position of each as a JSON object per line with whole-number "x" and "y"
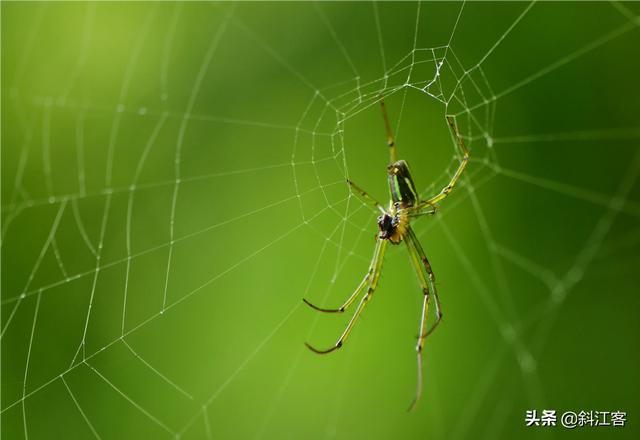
{"x": 463, "y": 164}
{"x": 349, "y": 301}
{"x": 417, "y": 257}
{"x": 376, "y": 266}
{"x": 390, "y": 140}
{"x": 427, "y": 210}
{"x": 432, "y": 278}
{"x": 366, "y": 197}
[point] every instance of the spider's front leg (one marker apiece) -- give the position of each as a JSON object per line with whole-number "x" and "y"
{"x": 432, "y": 279}
{"x": 376, "y": 267}
{"x": 419, "y": 259}
{"x": 348, "y": 302}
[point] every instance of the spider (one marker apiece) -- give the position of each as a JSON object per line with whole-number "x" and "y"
{"x": 394, "y": 226}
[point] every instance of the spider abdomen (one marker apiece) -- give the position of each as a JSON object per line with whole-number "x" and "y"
{"x": 403, "y": 190}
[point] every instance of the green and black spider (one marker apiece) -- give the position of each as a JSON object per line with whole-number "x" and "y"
{"x": 394, "y": 225}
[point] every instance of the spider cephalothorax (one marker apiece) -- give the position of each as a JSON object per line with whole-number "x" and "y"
{"x": 394, "y": 225}
{"x": 387, "y": 225}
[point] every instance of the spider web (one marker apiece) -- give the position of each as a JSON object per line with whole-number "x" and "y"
{"x": 164, "y": 211}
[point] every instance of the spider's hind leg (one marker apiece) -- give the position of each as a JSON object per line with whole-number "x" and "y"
{"x": 365, "y": 196}
{"x": 391, "y": 142}
{"x": 426, "y": 210}
{"x": 464, "y": 159}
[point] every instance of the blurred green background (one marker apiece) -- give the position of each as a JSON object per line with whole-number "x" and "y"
{"x": 173, "y": 185}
